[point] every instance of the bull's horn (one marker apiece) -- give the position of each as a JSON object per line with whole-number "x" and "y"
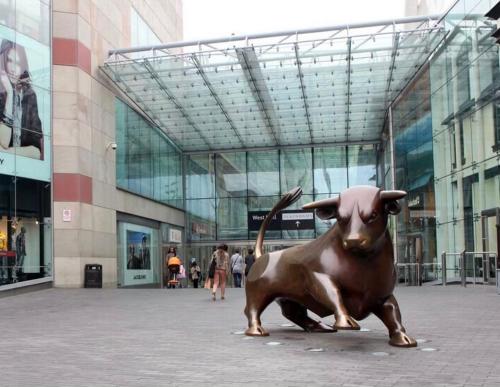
{"x": 322, "y": 203}
{"x": 392, "y": 195}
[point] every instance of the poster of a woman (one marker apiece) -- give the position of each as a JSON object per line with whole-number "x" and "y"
{"x": 20, "y": 124}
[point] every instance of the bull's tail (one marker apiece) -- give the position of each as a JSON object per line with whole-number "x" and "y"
{"x": 288, "y": 199}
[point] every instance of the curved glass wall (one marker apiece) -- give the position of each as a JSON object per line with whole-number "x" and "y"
{"x": 225, "y": 191}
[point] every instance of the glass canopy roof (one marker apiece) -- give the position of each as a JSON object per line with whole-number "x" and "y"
{"x": 292, "y": 88}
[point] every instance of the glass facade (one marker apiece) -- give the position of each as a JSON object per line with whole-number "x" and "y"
{"x": 25, "y": 141}
{"x": 464, "y": 78}
{"x": 446, "y": 143}
{"x": 414, "y": 171}
{"x": 224, "y": 189}
{"x": 147, "y": 164}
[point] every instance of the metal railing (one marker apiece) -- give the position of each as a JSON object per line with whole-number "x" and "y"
{"x": 415, "y": 273}
{"x": 484, "y": 266}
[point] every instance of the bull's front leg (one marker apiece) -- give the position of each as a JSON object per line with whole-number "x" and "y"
{"x": 328, "y": 294}
{"x": 390, "y": 315}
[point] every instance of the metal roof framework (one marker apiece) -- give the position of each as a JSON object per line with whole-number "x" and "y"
{"x": 312, "y": 87}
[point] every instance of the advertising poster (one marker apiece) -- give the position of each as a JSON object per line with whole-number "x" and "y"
{"x": 24, "y": 106}
{"x": 139, "y": 255}
{"x": 138, "y": 250}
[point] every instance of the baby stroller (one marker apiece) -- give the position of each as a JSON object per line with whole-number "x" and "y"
{"x": 174, "y": 265}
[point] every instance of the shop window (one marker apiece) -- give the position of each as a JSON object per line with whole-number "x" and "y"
{"x": 496, "y": 127}
{"x": 462, "y": 145}
{"x": 25, "y": 230}
{"x": 463, "y": 76}
{"x": 453, "y": 147}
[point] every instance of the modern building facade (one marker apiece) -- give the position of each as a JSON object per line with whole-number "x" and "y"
{"x": 141, "y": 141}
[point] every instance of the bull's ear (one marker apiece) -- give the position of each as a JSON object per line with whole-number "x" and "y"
{"x": 325, "y": 209}
{"x": 390, "y": 200}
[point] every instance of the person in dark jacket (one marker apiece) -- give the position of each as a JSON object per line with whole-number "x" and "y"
{"x": 249, "y": 260}
{"x": 20, "y": 124}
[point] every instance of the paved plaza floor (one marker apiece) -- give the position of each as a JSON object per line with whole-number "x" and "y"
{"x": 155, "y": 337}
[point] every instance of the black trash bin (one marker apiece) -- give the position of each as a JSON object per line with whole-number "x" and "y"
{"x": 93, "y": 276}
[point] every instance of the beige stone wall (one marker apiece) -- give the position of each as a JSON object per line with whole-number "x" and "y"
{"x": 83, "y": 125}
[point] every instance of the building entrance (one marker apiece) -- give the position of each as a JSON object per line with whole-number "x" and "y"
{"x": 202, "y": 252}
{"x": 490, "y": 224}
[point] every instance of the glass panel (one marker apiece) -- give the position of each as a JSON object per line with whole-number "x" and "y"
{"x": 330, "y": 170}
{"x": 146, "y": 163}
{"x": 296, "y": 170}
{"x": 231, "y": 176}
{"x": 323, "y": 226}
{"x": 232, "y": 218}
{"x": 200, "y": 176}
{"x": 201, "y": 219}
{"x": 362, "y": 161}
{"x": 263, "y": 173}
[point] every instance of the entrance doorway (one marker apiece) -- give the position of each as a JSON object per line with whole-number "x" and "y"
{"x": 413, "y": 270}
{"x": 202, "y": 252}
{"x": 490, "y": 225}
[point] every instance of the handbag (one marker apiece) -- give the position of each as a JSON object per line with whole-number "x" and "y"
{"x": 211, "y": 269}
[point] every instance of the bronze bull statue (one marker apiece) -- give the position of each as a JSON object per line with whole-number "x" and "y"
{"x": 348, "y": 271}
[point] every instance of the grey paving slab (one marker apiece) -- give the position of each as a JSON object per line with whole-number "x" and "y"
{"x": 125, "y": 337}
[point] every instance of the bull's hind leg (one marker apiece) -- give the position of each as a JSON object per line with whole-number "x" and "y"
{"x": 297, "y": 314}
{"x": 256, "y": 303}
{"x": 390, "y": 315}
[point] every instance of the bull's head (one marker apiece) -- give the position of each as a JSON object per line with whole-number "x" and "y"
{"x": 361, "y": 214}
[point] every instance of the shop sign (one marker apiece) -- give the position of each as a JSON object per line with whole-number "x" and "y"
{"x": 199, "y": 228}
{"x": 297, "y": 220}
{"x": 415, "y": 200}
{"x": 285, "y": 220}
{"x": 175, "y": 236}
{"x": 255, "y": 219}
{"x": 423, "y": 214}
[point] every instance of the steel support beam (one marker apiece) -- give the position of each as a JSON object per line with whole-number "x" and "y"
{"x": 348, "y": 103}
{"x": 303, "y": 89}
{"x": 394, "y": 53}
{"x": 255, "y": 79}
{"x": 174, "y": 101}
{"x": 287, "y": 147}
{"x": 405, "y": 20}
{"x": 216, "y": 97}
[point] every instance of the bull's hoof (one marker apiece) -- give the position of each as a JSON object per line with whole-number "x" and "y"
{"x": 401, "y": 339}
{"x": 346, "y": 323}
{"x": 319, "y": 327}
{"x": 256, "y": 330}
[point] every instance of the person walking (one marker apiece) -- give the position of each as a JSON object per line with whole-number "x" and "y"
{"x": 195, "y": 273}
{"x": 237, "y": 268}
{"x": 249, "y": 260}
{"x": 221, "y": 269}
